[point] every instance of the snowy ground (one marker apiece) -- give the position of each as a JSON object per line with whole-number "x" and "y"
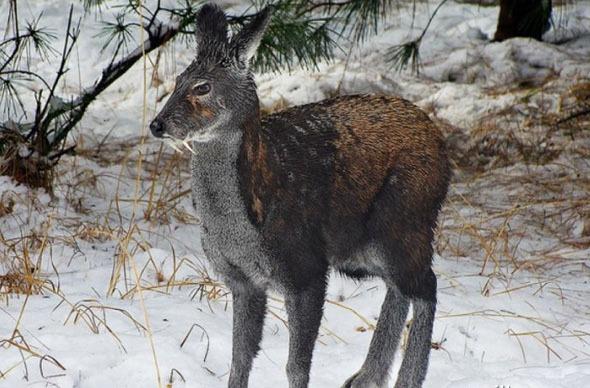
{"x": 513, "y": 247}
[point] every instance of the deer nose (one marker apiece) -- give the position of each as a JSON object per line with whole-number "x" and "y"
{"x": 157, "y": 128}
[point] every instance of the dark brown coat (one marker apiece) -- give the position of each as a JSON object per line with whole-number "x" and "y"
{"x": 375, "y": 170}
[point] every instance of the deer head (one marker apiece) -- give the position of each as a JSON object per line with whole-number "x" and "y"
{"x": 216, "y": 93}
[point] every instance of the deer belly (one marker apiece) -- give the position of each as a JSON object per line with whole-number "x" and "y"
{"x": 365, "y": 261}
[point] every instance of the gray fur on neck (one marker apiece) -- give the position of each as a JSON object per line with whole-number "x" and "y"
{"x": 232, "y": 244}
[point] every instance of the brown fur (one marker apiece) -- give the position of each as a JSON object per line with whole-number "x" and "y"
{"x": 384, "y": 154}
{"x": 261, "y": 181}
{"x": 199, "y": 110}
{"x": 372, "y": 136}
{"x": 380, "y": 135}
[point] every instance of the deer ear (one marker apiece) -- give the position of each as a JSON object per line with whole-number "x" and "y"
{"x": 211, "y": 27}
{"x": 246, "y": 42}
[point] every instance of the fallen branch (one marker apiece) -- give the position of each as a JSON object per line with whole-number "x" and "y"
{"x": 574, "y": 115}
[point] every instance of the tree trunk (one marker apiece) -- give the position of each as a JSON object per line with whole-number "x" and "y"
{"x": 523, "y": 18}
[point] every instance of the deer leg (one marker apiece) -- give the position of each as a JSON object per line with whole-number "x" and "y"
{"x": 249, "y": 307}
{"x": 304, "y": 310}
{"x": 415, "y": 363}
{"x": 375, "y": 370}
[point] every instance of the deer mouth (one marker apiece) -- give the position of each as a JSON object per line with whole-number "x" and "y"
{"x": 178, "y": 144}
{"x": 204, "y": 135}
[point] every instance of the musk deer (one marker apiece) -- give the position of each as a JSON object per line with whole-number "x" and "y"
{"x": 352, "y": 183}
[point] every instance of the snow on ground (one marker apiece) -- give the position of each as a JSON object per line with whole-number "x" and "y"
{"x": 514, "y": 290}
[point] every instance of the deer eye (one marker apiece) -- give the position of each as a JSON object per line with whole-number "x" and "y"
{"x": 202, "y": 89}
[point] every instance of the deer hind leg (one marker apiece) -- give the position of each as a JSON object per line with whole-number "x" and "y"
{"x": 404, "y": 285}
{"x": 375, "y": 370}
{"x": 415, "y": 363}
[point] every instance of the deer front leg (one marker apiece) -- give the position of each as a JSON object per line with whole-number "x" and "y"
{"x": 304, "y": 310}
{"x": 249, "y": 306}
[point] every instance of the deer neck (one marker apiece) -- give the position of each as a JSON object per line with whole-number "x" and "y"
{"x": 228, "y": 232}
{"x": 215, "y": 185}
{"x": 231, "y": 177}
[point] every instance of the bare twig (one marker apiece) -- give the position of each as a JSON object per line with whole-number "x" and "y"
{"x": 204, "y": 332}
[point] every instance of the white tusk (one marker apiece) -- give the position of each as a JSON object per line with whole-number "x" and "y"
{"x": 170, "y": 142}
{"x": 185, "y": 142}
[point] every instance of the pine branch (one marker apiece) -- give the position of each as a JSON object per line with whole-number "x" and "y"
{"x": 575, "y": 115}
{"x": 11, "y": 72}
{"x": 362, "y": 16}
{"x": 13, "y": 10}
{"x": 43, "y": 119}
{"x": 39, "y": 38}
{"x": 401, "y": 55}
{"x": 63, "y": 115}
{"x": 92, "y": 5}
{"x": 28, "y": 74}
{"x": 118, "y": 32}
{"x": 409, "y": 52}
{"x": 292, "y": 39}
{"x": 110, "y": 74}
{"x": 9, "y": 94}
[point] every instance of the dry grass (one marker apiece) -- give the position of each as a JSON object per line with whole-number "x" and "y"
{"x": 103, "y": 169}
{"x": 519, "y": 208}
{"x": 548, "y": 335}
{"x": 521, "y": 175}
{"x": 22, "y": 261}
